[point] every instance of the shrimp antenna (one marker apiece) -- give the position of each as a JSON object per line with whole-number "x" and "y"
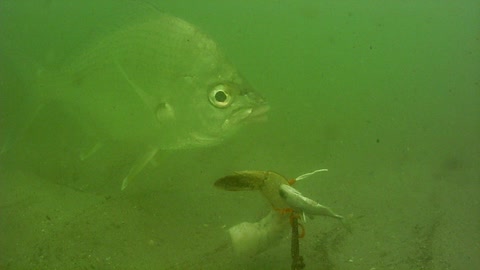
{"x": 303, "y": 176}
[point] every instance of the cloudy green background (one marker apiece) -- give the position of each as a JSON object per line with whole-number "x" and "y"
{"x": 385, "y": 94}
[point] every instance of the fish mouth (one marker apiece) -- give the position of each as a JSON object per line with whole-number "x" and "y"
{"x": 247, "y": 115}
{"x": 204, "y": 139}
{"x": 236, "y": 119}
{"x": 258, "y": 114}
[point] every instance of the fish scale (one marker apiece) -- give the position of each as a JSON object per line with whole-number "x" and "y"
{"x": 165, "y": 38}
{"x": 154, "y": 85}
{"x": 164, "y": 57}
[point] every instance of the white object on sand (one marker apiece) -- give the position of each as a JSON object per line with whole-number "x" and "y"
{"x": 249, "y": 239}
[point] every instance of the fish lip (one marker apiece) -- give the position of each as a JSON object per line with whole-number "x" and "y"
{"x": 259, "y": 113}
{"x": 242, "y": 115}
{"x": 205, "y": 139}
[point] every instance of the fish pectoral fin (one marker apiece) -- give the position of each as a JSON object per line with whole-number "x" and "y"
{"x": 164, "y": 112}
{"x": 139, "y": 165}
{"x": 144, "y": 97}
{"x": 85, "y": 155}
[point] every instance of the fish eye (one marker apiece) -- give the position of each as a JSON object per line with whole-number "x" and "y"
{"x": 220, "y": 96}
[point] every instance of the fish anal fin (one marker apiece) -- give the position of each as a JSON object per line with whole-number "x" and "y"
{"x": 138, "y": 166}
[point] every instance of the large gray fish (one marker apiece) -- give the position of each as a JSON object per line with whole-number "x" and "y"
{"x": 159, "y": 84}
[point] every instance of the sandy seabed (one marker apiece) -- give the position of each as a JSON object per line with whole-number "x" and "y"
{"x": 398, "y": 223}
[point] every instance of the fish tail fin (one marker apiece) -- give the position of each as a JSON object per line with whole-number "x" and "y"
{"x": 20, "y": 100}
{"x": 14, "y": 133}
{"x": 18, "y": 63}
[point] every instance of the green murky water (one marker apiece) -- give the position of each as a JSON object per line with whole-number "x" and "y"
{"x": 386, "y": 95}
